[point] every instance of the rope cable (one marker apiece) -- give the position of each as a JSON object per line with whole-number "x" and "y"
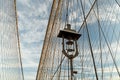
{"x": 87, "y": 15}
{"x": 18, "y": 40}
{"x": 89, "y": 43}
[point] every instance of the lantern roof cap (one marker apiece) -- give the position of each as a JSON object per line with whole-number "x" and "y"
{"x": 69, "y": 33}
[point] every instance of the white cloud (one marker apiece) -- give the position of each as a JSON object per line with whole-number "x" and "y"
{"x": 32, "y": 28}
{"x": 32, "y": 20}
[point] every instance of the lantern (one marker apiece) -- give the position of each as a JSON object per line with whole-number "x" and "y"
{"x": 71, "y": 37}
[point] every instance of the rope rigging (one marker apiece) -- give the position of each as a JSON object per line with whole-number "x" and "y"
{"x": 107, "y": 45}
{"x": 10, "y": 55}
{"x": 90, "y": 44}
{"x": 117, "y": 3}
{"x": 98, "y": 24}
{"x": 18, "y": 40}
{"x": 97, "y": 20}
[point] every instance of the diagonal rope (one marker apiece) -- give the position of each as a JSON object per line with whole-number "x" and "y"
{"x": 99, "y": 39}
{"x": 87, "y": 15}
{"x": 89, "y": 42}
{"x": 58, "y": 67}
{"x": 110, "y": 52}
{"x": 108, "y": 47}
{"x": 18, "y": 40}
{"x": 45, "y": 40}
{"x": 117, "y": 3}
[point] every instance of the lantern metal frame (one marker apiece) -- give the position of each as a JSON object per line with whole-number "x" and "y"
{"x": 70, "y": 35}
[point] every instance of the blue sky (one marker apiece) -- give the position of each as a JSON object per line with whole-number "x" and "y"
{"x": 109, "y": 13}
{"x": 32, "y": 22}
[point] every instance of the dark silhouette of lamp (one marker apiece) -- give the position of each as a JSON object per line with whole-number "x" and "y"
{"x": 71, "y": 37}
{"x": 71, "y": 44}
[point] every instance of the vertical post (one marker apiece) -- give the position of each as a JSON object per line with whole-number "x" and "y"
{"x": 71, "y": 67}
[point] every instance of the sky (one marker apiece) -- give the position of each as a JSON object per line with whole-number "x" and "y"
{"x": 109, "y": 13}
{"x": 32, "y": 22}
{"x": 33, "y": 18}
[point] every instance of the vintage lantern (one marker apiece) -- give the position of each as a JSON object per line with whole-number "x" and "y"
{"x": 71, "y": 37}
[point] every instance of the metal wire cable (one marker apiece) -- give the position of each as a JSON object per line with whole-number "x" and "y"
{"x": 90, "y": 43}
